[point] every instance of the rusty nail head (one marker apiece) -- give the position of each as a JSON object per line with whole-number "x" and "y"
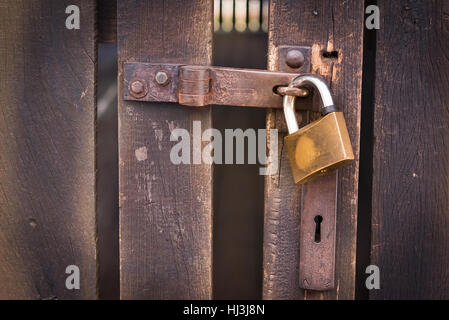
{"x": 295, "y": 59}
{"x": 161, "y": 78}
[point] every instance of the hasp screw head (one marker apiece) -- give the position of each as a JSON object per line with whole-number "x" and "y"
{"x": 295, "y": 59}
{"x": 161, "y": 78}
{"x": 137, "y": 89}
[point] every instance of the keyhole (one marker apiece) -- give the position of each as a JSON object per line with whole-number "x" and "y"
{"x": 318, "y": 220}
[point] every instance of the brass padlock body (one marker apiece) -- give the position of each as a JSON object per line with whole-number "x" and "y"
{"x": 319, "y": 147}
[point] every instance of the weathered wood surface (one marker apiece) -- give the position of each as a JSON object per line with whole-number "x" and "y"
{"x": 410, "y": 221}
{"x": 319, "y": 25}
{"x": 47, "y": 149}
{"x": 165, "y": 209}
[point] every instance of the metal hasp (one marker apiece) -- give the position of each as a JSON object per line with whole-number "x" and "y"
{"x": 199, "y": 86}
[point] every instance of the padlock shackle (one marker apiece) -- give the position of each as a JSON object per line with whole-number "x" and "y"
{"x": 319, "y": 84}
{"x": 305, "y": 80}
{"x": 290, "y": 114}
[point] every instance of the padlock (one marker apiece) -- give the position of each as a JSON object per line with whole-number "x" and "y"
{"x": 321, "y": 146}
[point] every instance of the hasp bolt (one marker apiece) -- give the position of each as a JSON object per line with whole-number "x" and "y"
{"x": 295, "y": 59}
{"x": 137, "y": 89}
{"x": 161, "y": 78}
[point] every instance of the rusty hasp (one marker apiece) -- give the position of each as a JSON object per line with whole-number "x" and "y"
{"x": 199, "y": 86}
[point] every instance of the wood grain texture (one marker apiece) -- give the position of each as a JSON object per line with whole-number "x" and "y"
{"x": 325, "y": 26}
{"x": 47, "y": 150}
{"x": 410, "y": 221}
{"x": 165, "y": 209}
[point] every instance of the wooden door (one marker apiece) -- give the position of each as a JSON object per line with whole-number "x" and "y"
{"x": 392, "y": 201}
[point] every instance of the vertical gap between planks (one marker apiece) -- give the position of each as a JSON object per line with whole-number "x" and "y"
{"x": 364, "y": 209}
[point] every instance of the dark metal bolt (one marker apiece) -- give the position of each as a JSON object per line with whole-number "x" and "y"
{"x": 295, "y": 59}
{"x": 137, "y": 87}
{"x": 161, "y": 78}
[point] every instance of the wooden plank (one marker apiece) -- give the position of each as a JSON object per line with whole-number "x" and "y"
{"x": 165, "y": 209}
{"x": 47, "y": 150}
{"x": 315, "y": 24}
{"x": 411, "y": 151}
